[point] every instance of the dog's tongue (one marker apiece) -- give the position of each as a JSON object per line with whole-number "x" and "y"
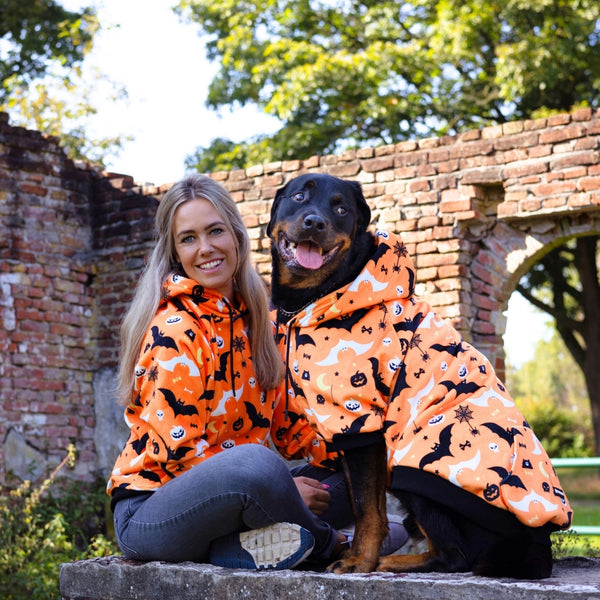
{"x": 309, "y": 255}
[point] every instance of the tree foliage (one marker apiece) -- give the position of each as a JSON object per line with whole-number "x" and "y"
{"x": 42, "y": 49}
{"x": 565, "y": 284}
{"x": 550, "y": 390}
{"x": 352, "y": 73}
{"x": 34, "y": 34}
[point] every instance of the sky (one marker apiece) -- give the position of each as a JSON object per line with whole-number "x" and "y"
{"x": 162, "y": 62}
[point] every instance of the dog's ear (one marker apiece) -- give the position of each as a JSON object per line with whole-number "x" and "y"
{"x": 364, "y": 212}
{"x": 274, "y": 207}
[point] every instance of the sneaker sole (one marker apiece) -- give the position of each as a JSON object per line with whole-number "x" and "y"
{"x": 279, "y": 546}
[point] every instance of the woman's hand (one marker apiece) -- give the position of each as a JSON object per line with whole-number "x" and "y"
{"x": 314, "y": 494}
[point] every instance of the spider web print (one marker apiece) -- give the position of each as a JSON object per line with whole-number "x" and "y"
{"x": 464, "y": 414}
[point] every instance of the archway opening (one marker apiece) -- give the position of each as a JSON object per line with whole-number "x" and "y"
{"x": 551, "y": 342}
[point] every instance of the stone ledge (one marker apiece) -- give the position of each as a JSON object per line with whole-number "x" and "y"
{"x": 115, "y": 578}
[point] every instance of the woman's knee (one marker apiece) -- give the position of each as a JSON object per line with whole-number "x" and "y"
{"x": 263, "y": 462}
{"x": 251, "y": 465}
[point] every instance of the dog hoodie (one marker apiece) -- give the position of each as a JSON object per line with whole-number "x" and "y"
{"x": 371, "y": 359}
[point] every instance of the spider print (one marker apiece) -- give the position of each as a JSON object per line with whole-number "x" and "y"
{"x": 414, "y": 343}
{"x": 401, "y": 252}
{"x": 463, "y": 414}
{"x": 153, "y": 373}
{"x": 384, "y": 309}
{"x": 239, "y": 345}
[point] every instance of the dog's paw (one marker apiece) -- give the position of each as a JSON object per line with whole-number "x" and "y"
{"x": 352, "y": 564}
{"x": 386, "y": 565}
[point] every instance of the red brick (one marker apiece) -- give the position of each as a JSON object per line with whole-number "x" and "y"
{"x": 588, "y": 183}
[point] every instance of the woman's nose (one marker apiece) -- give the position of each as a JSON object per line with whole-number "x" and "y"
{"x": 204, "y": 245}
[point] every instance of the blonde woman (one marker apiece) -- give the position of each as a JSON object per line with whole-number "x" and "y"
{"x": 200, "y": 376}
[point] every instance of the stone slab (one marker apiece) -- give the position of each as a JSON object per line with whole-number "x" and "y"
{"x": 115, "y": 578}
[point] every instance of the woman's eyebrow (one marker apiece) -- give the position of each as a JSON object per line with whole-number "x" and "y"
{"x": 209, "y": 226}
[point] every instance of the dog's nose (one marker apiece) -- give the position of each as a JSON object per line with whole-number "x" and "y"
{"x": 314, "y": 223}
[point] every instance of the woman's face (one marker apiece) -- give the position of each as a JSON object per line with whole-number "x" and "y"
{"x": 205, "y": 247}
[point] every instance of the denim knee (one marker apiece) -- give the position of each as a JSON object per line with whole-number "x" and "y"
{"x": 256, "y": 468}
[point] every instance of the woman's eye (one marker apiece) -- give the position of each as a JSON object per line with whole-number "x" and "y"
{"x": 217, "y": 231}
{"x": 299, "y": 197}
{"x": 187, "y": 239}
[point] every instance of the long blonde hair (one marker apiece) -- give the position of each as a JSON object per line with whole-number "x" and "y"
{"x": 268, "y": 364}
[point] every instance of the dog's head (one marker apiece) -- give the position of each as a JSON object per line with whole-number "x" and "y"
{"x": 315, "y": 219}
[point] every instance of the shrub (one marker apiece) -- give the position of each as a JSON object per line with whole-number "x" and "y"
{"x": 560, "y": 430}
{"x": 40, "y": 528}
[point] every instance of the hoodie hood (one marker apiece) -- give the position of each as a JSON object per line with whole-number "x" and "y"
{"x": 186, "y": 292}
{"x": 389, "y": 275}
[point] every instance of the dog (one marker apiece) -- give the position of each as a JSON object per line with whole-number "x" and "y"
{"x": 407, "y": 404}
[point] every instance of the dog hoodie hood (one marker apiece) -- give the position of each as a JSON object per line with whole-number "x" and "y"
{"x": 371, "y": 359}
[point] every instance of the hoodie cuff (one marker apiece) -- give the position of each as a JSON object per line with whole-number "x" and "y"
{"x": 341, "y": 441}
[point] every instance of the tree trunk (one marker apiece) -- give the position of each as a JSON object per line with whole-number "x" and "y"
{"x": 585, "y": 259}
{"x": 580, "y": 328}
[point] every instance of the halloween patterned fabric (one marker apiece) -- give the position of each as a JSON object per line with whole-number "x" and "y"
{"x": 184, "y": 408}
{"x": 372, "y": 358}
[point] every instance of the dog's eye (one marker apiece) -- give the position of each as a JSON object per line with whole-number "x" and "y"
{"x": 340, "y": 210}
{"x": 299, "y": 197}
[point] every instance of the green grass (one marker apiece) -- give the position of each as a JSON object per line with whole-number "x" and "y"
{"x": 586, "y": 512}
{"x": 582, "y": 487}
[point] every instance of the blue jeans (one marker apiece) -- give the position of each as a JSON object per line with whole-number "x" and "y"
{"x": 245, "y": 487}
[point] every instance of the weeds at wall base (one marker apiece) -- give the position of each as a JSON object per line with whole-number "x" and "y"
{"x": 569, "y": 543}
{"x": 42, "y": 527}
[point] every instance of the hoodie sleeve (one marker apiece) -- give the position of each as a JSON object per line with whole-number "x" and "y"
{"x": 293, "y": 436}
{"x": 166, "y": 417}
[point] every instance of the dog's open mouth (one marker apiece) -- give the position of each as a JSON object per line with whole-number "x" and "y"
{"x": 306, "y": 253}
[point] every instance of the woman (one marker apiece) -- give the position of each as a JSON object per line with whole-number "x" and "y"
{"x": 200, "y": 374}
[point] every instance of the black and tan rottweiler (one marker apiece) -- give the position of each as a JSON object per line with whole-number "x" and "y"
{"x": 407, "y": 404}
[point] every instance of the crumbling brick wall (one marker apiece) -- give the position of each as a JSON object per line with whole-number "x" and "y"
{"x": 475, "y": 211}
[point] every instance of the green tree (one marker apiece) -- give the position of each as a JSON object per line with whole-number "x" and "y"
{"x": 550, "y": 390}
{"x": 565, "y": 284}
{"x": 367, "y": 73}
{"x": 35, "y": 34}
{"x": 42, "y": 49}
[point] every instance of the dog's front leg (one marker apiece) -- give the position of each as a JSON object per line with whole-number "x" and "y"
{"x": 365, "y": 470}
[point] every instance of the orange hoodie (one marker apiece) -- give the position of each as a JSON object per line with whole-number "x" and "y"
{"x": 196, "y": 392}
{"x": 371, "y": 359}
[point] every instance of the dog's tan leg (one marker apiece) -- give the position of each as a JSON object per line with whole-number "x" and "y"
{"x": 400, "y": 563}
{"x": 366, "y": 477}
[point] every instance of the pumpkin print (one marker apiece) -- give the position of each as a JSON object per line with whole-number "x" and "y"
{"x": 358, "y": 379}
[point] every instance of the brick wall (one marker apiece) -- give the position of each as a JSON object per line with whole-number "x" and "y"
{"x": 475, "y": 211}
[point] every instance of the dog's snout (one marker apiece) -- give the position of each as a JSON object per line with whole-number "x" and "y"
{"x": 314, "y": 223}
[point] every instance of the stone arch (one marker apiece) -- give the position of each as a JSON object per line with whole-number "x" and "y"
{"x": 508, "y": 252}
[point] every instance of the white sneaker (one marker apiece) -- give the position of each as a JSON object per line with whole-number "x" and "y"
{"x": 275, "y": 547}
